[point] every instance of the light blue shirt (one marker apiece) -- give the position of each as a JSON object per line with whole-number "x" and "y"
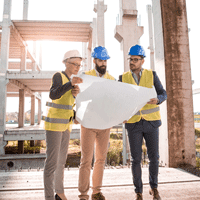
{"x": 136, "y": 78}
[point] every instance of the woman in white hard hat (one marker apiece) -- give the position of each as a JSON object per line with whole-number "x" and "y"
{"x": 58, "y": 124}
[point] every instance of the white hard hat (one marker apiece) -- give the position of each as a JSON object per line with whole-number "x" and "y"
{"x": 71, "y": 54}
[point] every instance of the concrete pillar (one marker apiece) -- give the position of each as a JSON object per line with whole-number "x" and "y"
{"x": 94, "y": 32}
{"x": 84, "y": 54}
{"x": 40, "y": 56}
{"x": 33, "y": 66}
{"x": 151, "y": 40}
{"x": 34, "y": 54}
{"x": 160, "y": 70}
{"x": 21, "y": 118}
{"x": 25, "y": 10}
{"x": 94, "y": 36}
{"x": 40, "y": 100}
{"x": 23, "y": 59}
{"x": 100, "y": 9}
{"x": 32, "y": 142}
{"x": 21, "y": 108}
{"x": 24, "y": 49}
{"x": 126, "y": 147}
{"x": 39, "y": 111}
{"x": 32, "y": 109}
{"x": 178, "y": 83}
{"x": 89, "y": 63}
{"x": 5, "y": 41}
{"x": 128, "y": 33}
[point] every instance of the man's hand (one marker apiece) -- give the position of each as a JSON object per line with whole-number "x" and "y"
{"x": 76, "y": 80}
{"x": 75, "y": 90}
{"x": 153, "y": 101}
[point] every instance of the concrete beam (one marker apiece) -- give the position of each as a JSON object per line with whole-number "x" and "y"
{"x": 16, "y": 94}
{"x": 30, "y": 75}
{"x": 196, "y": 91}
{"x": 19, "y": 134}
{"x": 21, "y": 86}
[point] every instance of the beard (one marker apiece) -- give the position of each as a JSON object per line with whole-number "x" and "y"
{"x": 100, "y": 69}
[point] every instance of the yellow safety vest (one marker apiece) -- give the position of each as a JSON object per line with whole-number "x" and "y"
{"x": 149, "y": 112}
{"x": 60, "y": 112}
{"x": 93, "y": 73}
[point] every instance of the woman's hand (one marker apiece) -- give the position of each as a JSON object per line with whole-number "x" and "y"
{"x": 75, "y": 90}
{"x": 76, "y": 80}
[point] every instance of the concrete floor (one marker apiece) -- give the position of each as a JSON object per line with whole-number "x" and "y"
{"x": 174, "y": 184}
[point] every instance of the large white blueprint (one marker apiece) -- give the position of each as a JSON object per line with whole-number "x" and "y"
{"x": 104, "y": 103}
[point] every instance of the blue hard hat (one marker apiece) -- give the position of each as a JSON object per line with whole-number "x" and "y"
{"x": 100, "y": 53}
{"x": 137, "y": 50}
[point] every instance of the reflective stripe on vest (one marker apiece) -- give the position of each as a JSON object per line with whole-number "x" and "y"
{"x": 152, "y": 110}
{"x": 60, "y": 106}
{"x": 56, "y": 120}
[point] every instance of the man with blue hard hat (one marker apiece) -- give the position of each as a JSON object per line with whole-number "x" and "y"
{"x": 100, "y": 56}
{"x": 89, "y": 137}
{"x": 145, "y": 123}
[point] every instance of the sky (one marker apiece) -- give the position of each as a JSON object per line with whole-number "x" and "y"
{"x": 79, "y": 10}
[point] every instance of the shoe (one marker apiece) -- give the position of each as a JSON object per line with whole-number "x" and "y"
{"x": 57, "y": 197}
{"x": 138, "y": 196}
{"x": 98, "y": 196}
{"x": 154, "y": 192}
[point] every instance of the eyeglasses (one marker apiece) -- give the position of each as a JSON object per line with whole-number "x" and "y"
{"x": 77, "y": 65}
{"x": 135, "y": 60}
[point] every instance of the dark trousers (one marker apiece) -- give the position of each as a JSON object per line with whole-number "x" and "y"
{"x": 136, "y": 132}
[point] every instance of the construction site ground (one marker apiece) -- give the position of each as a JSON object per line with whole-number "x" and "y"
{"x": 174, "y": 184}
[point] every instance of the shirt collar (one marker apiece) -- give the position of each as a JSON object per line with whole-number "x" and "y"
{"x": 140, "y": 73}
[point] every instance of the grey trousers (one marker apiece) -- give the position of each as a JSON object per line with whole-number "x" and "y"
{"x": 57, "y": 148}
